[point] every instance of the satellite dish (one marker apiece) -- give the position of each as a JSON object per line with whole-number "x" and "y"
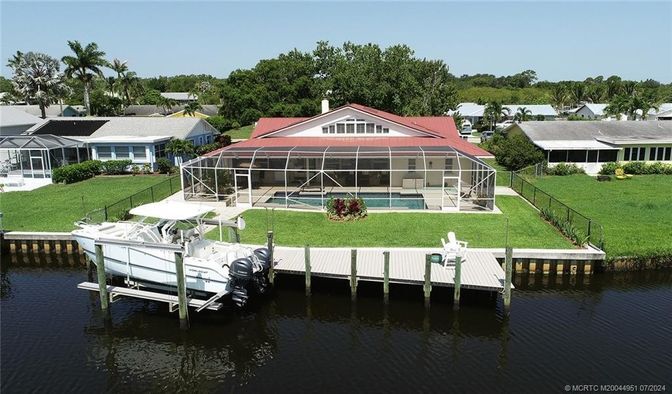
{"x": 241, "y": 223}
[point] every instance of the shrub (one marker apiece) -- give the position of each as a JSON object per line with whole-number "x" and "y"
{"x": 635, "y": 168}
{"x": 115, "y": 167}
{"x": 565, "y": 227}
{"x": 563, "y": 169}
{"x": 609, "y": 168}
{"x": 164, "y": 165}
{"x": 516, "y": 151}
{"x": 346, "y": 208}
{"x": 203, "y": 149}
{"x": 76, "y": 172}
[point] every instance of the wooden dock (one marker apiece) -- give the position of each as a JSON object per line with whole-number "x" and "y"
{"x": 480, "y": 269}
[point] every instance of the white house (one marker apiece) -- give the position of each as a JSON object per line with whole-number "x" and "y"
{"x": 180, "y": 97}
{"x": 391, "y": 161}
{"x": 15, "y": 122}
{"x": 473, "y": 112}
{"x": 590, "y": 144}
{"x": 143, "y": 139}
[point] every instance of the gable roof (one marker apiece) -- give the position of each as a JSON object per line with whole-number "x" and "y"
{"x": 52, "y": 111}
{"x": 150, "y": 127}
{"x": 78, "y": 127}
{"x": 477, "y": 110}
{"x": 10, "y": 117}
{"x": 424, "y": 124}
{"x": 595, "y": 108}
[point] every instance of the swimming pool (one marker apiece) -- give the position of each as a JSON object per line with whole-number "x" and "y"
{"x": 372, "y": 200}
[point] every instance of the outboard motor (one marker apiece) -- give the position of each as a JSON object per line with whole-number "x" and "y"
{"x": 240, "y": 273}
{"x": 261, "y": 282}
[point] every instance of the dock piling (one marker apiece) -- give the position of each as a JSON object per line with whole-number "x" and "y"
{"x": 458, "y": 282}
{"x": 269, "y": 246}
{"x": 353, "y": 273}
{"x": 386, "y": 274}
{"x": 507, "y": 279}
{"x": 181, "y": 290}
{"x": 428, "y": 277}
{"x": 102, "y": 280}
{"x": 307, "y": 261}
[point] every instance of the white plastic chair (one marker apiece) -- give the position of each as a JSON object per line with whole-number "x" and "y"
{"x": 452, "y": 249}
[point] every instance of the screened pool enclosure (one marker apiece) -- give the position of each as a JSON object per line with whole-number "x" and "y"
{"x": 397, "y": 178}
{"x": 34, "y": 156}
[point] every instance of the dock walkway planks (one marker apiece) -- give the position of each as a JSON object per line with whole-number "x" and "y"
{"x": 480, "y": 269}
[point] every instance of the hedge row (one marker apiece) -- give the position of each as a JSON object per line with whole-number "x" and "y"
{"x": 77, "y": 172}
{"x": 88, "y": 169}
{"x": 637, "y": 168}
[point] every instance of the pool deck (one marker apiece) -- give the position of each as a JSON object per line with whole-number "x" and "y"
{"x": 480, "y": 269}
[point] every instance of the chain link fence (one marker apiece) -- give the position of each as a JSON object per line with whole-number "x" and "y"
{"x": 542, "y": 200}
{"x": 119, "y": 210}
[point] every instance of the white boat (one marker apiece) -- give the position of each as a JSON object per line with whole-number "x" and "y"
{"x": 143, "y": 251}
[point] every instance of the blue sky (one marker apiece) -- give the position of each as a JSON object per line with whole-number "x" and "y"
{"x": 569, "y": 40}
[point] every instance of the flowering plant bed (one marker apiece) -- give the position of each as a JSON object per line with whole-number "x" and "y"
{"x": 340, "y": 209}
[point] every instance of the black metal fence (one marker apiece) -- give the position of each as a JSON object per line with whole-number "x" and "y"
{"x": 542, "y": 200}
{"x": 119, "y": 210}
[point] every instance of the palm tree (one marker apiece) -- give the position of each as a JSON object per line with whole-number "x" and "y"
{"x": 458, "y": 119}
{"x": 191, "y": 108}
{"x": 559, "y": 96}
{"x": 37, "y": 77}
{"x": 119, "y": 67}
{"x": 578, "y": 92}
{"x": 130, "y": 85}
{"x": 522, "y": 115}
{"x": 165, "y": 103}
{"x": 594, "y": 93}
{"x": 85, "y": 65}
{"x": 180, "y": 148}
{"x": 494, "y": 111}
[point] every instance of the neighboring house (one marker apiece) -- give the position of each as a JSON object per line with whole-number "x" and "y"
{"x": 175, "y": 111}
{"x": 663, "y": 112}
{"x": 143, "y": 139}
{"x": 590, "y": 111}
{"x": 52, "y": 111}
{"x": 474, "y": 112}
{"x": 180, "y": 97}
{"x": 590, "y": 144}
{"x": 15, "y": 122}
{"x": 392, "y": 162}
{"x": 664, "y": 115}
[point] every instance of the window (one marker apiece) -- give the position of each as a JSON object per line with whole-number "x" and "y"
{"x": 208, "y": 139}
{"x": 448, "y": 165}
{"x": 369, "y": 128}
{"x": 660, "y": 153}
{"x": 557, "y": 156}
{"x": 360, "y": 128}
{"x": 576, "y": 156}
{"x": 325, "y": 130}
{"x": 160, "y": 150}
{"x": 350, "y": 128}
{"x": 139, "y": 153}
{"x": 332, "y": 129}
{"x": 379, "y": 129}
{"x": 411, "y": 165}
{"x": 340, "y": 128}
{"x": 592, "y": 156}
{"x": 386, "y": 130}
{"x": 122, "y": 152}
{"x": 634, "y": 154}
{"x": 354, "y": 126}
{"x": 104, "y": 152}
{"x": 607, "y": 156}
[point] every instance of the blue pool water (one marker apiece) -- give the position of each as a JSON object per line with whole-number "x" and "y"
{"x": 372, "y": 200}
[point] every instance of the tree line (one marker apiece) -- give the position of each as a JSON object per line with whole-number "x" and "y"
{"x": 393, "y": 79}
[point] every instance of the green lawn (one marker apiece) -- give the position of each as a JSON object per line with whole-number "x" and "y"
{"x": 503, "y": 175}
{"x": 292, "y": 228}
{"x": 636, "y": 213}
{"x": 57, "y": 207}
{"x": 240, "y": 133}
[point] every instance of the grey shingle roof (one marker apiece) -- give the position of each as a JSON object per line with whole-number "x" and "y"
{"x": 51, "y": 111}
{"x": 611, "y": 132}
{"x": 150, "y": 127}
{"x": 181, "y": 96}
{"x": 10, "y": 116}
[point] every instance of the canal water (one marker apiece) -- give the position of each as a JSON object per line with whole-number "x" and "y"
{"x": 605, "y": 329}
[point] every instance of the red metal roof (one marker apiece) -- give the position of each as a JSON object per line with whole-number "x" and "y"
{"x": 438, "y": 130}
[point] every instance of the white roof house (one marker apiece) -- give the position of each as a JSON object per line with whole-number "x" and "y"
{"x": 180, "y": 96}
{"x": 52, "y": 111}
{"x": 473, "y": 110}
{"x": 14, "y": 121}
